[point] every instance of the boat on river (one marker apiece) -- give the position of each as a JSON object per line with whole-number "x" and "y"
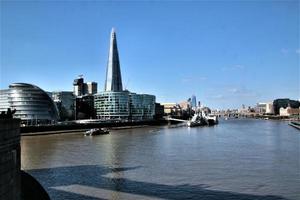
{"x": 211, "y": 119}
{"x": 96, "y": 131}
{"x": 202, "y": 119}
{"x": 196, "y": 120}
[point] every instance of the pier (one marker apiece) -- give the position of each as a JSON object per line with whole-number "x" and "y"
{"x": 295, "y": 125}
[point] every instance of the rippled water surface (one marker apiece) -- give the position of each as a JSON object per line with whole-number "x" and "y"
{"x": 237, "y": 159}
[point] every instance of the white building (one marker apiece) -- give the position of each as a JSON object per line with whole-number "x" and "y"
{"x": 261, "y": 108}
{"x": 288, "y": 111}
{"x": 269, "y": 108}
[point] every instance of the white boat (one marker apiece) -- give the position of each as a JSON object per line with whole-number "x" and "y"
{"x": 96, "y": 131}
{"x": 200, "y": 119}
{"x": 211, "y": 119}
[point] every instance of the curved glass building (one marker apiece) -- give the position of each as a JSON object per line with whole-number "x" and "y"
{"x": 112, "y": 105}
{"x": 32, "y": 104}
{"x": 124, "y": 106}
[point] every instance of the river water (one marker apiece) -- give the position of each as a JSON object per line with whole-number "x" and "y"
{"x": 237, "y": 159}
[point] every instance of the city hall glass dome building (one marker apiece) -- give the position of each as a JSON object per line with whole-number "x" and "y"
{"x": 32, "y": 104}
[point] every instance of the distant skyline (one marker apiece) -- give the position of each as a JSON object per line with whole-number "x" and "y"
{"x": 227, "y": 53}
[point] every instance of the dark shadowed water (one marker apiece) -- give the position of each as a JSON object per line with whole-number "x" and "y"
{"x": 237, "y": 159}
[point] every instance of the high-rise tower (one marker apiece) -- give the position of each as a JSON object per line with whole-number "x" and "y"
{"x": 117, "y": 104}
{"x": 113, "y": 80}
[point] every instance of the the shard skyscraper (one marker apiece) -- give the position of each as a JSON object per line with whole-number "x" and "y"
{"x": 117, "y": 104}
{"x": 113, "y": 80}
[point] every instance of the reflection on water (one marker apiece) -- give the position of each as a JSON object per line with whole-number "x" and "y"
{"x": 237, "y": 159}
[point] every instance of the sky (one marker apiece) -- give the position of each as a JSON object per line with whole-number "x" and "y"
{"x": 227, "y": 53}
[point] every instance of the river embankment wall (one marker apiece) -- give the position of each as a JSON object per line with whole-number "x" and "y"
{"x": 63, "y": 128}
{"x": 10, "y": 162}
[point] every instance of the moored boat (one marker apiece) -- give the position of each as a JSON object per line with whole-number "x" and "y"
{"x": 196, "y": 120}
{"x": 96, "y": 131}
{"x": 211, "y": 119}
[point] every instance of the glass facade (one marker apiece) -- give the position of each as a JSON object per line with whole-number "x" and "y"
{"x": 4, "y": 104}
{"x": 112, "y": 105}
{"x": 64, "y": 101}
{"x": 149, "y": 106}
{"x": 124, "y": 106}
{"x": 32, "y": 104}
{"x": 118, "y": 104}
{"x": 136, "y": 106}
{"x": 85, "y": 108}
{"x": 113, "y": 80}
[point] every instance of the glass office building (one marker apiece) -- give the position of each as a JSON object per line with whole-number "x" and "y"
{"x": 113, "y": 81}
{"x": 149, "y": 106}
{"x": 112, "y": 105}
{"x": 4, "y": 104}
{"x": 64, "y": 101}
{"x": 33, "y": 105}
{"x": 136, "y": 106}
{"x": 124, "y": 106}
{"x": 118, "y": 104}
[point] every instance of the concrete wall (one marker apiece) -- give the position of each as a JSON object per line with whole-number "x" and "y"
{"x": 10, "y": 162}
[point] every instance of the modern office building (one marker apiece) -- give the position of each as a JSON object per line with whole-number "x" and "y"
{"x": 33, "y": 105}
{"x": 159, "y": 111}
{"x": 85, "y": 107}
{"x": 81, "y": 88}
{"x": 90, "y": 88}
{"x": 194, "y": 102}
{"x": 142, "y": 106}
{"x": 114, "y": 103}
{"x": 4, "y": 103}
{"x": 84, "y": 98}
{"x": 124, "y": 106}
{"x": 78, "y": 86}
{"x": 113, "y": 81}
{"x": 148, "y": 105}
{"x": 64, "y": 101}
{"x": 136, "y": 106}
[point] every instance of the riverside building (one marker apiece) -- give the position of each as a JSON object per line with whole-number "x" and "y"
{"x": 32, "y": 104}
{"x": 84, "y": 98}
{"x": 114, "y": 103}
{"x": 64, "y": 101}
{"x": 81, "y": 88}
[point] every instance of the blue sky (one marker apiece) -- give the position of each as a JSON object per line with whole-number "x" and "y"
{"x": 227, "y": 53}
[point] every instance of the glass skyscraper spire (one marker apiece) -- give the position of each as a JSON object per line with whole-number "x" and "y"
{"x": 114, "y": 103}
{"x": 113, "y": 80}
